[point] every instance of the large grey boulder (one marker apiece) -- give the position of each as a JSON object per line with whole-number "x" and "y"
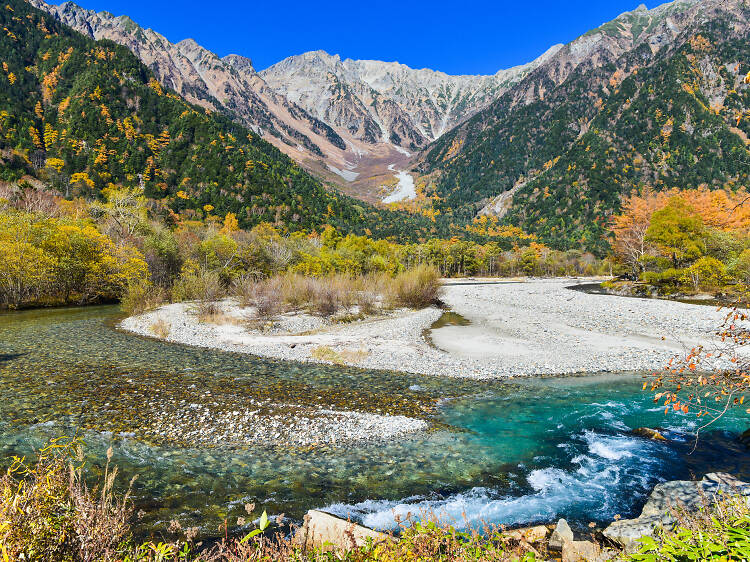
{"x": 679, "y": 494}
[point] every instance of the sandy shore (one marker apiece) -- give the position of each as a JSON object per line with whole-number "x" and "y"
{"x": 516, "y": 329}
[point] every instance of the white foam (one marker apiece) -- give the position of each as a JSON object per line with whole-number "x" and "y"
{"x": 606, "y": 468}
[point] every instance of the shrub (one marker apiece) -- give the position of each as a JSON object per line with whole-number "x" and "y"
{"x": 161, "y": 328}
{"x": 298, "y": 291}
{"x": 202, "y": 286}
{"x": 142, "y": 296}
{"x": 416, "y": 288}
{"x": 706, "y": 272}
{"x": 326, "y": 299}
{"x": 243, "y": 289}
{"x": 267, "y": 298}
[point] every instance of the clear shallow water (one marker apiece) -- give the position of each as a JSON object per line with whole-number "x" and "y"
{"x": 530, "y": 452}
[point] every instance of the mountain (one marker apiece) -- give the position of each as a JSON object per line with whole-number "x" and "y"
{"x": 386, "y": 101}
{"x": 653, "y": 97}
{"x": 349, "y": 122}
{"x": 84, "y": 115}
{"x": 230, "y": 84}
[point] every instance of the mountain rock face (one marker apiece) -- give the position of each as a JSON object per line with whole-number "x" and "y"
{"x": 387, "y": 101}
{"x": 653, "y": 98}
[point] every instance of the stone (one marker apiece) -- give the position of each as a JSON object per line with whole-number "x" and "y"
{"x": 679, "y": 494}
{"x": 560, "y": 535}
{"x": 745, "y": 438}
{"x": 649, "y": 433}
{"x": 325, "y": 531}
{"x": 528, "y": 534}
{"x": 575, "y": 551}
{"x": 627, "y": 532}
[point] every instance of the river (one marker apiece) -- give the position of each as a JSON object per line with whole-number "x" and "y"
{"x": 503, "y": 452}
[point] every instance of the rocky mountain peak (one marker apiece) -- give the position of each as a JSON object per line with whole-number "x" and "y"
{"x": 239, "y": 62}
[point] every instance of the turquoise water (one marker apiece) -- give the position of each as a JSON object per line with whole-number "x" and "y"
{"x": 506, "y": 453}
{"x": 565, "y": 449}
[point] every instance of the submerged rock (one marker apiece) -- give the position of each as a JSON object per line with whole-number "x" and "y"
{"x": 649, "y": 433}
{"x": 680, "y": 494}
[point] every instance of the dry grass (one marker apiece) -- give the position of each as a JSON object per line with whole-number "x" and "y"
{"x": 48, "y": 513}
{"x": 342, "y": 357}
{"x": 161, "y": 328}
{"x": 354, "y": 297}
{"x": 220, "y": 318}
{"x": 416, "y": 288}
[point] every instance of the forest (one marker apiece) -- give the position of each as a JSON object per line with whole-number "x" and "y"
{"x": 672, "y": 118}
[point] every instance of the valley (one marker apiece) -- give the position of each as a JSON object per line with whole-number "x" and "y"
{"x": 486, "y": 316}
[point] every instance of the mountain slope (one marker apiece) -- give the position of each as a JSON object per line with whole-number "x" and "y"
{"x": 85, "y": 114}
{"x": 654, "y": 97}
{"x": 230, "y": 84}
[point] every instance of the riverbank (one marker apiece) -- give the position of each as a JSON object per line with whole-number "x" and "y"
{"x": 510, "y": 329}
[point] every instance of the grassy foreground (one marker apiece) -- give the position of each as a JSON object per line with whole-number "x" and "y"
{"x": 48, "y": 512}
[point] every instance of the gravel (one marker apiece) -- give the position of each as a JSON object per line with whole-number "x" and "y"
{"x": 536, "y": 327}
{"x": 527, "y": 328}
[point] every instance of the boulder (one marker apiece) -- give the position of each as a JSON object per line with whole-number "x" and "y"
{"x": 560, "y": 535}
{"x": 679, "y": 494}
{"x": 323, "y": 530}
{"x": 649, "y": 433}
{"x": 575, "y": 551}
{"x": 529, "y": 534}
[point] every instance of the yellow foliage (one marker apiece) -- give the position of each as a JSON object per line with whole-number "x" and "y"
{"x": 62, "y": 260}
{"x": 55, "y": 163}
{"x": 231, "y": 224}
{"x": 155, "y": 86}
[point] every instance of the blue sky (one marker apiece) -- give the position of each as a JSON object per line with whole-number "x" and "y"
{"x": 469, "y": 37}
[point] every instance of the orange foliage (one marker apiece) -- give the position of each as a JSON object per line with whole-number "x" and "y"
{"x": 721, "y": 209}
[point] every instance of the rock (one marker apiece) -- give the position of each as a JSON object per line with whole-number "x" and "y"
{"x": 528, "y": 534}
{"x": 323, "y": 530}
{"x": 575, "y": 551}
{"x": 649, "y": 433}
{"x": 560, "y": 535}
{"x": 627, "y": 532}
{"x": 745, "y": 438}
{"x": 681, "y": 494}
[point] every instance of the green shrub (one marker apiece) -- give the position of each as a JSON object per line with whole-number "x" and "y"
{"x": 201, "y": 286}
